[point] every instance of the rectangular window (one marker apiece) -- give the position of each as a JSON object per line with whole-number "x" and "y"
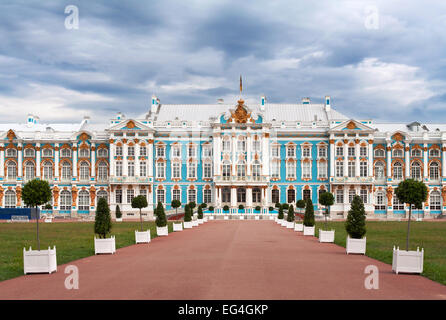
{"x": 351, "y": 169}
{"x": 130, "y": 195}
{"x": 290, "y": 152}
{"x": 207, "y": 196}
{"x": 118, "y": 151}
{"x": 160, "y": 195}
{"x": 118, "y": 194}
{"x": 339, "y": 169}
{"x": 192, "y": 170}
{"x": 143, "y": 192}
{"x": 119, "y": 168}
{"x": 256, "y": 145}
{"x": 306, "y": 170}
{"x": 322, "y": 170}
{"x": 131, "y": 169}
{"x": 351, "y": 194}
{"x": 322, "y": 153}
{"x": 160, "y": 152}
{"x": 160, "y": 170}
{"x": 363, "y": 169}
{"x": 380, "y": 201}
{"x": 191, "y": 151}
{"x": 192, "y": 195}
{"x": 142, "y": 169}
{"x": 275, "y": 151}
{"x": 339, "y": 196}
{"x": 339, "y": 151}
{"x": 351, "y": 151}
{"x": 176, "y": 194}
{"x": 142, "y": 151}
{"x": 207, "y": 152}
{"x": 207, "y": 170}
{"x": 226, "y": 145}
{"x": 176, "y": 170}
{"x": 363, "y": 151}
{"x": 275, "y": 170}
{"x": 131, "y": 151}
{"x": 291, "y": 170}
{"x": 397, "y": 205}
{"x": 363, "y": 194}
{"x": 306, "y": 152}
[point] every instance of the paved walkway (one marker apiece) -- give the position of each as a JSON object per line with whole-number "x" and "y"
{"x": 226, "y": 260}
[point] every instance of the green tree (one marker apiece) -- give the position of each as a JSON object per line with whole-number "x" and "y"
{"x": 414, "y": 193}
{"x": 290, "y": 216}
{"x": 36, "y": 193}
{"x": 118, "y": 212}
{"x": 161, "y": 220}
{"x": 300, "y": 204}
{"x": 204, "y": 205}
{"x": 175, "y": 204}
{"x": 102, "y": 219}
{"x": 140, "y": 202}
{"x": 187, "y": 213}
{"x": 355, "y": 223}
{"x": 309, "y": 214}
{"x": 192, "y": 205}
{"x": 200, "y": 212}
{"x": 280, "y": 214}
{"x": 326, "y": 199}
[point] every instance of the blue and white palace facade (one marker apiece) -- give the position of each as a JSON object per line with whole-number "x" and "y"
{"x": 225, "y": 155}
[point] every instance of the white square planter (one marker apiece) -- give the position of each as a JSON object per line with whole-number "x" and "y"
{"x": 326, "y": 236}
{"x": 257, "y": 218}
{"x": 142, "y": 236}
{"x": 271, "y": 218}
{"x": 299, "y": 227}
{"x": 107, "y": 245}
{"x": 308, "y": 231}
{"x": 200, "y": 221}
{"x": 118, "y": 219}
{"x": 194, "y": 223}
{"x": 39, "y": 261}
{"x": 205, "y": 219}
{"x": 283, "y": 222}
{"x": 290, "y": 225}
{"x": 162, "y": 231}
{"x": 211, "y": 218}
{"x": 279, "y": 221}
{"x": 407, "y": 261}
{"x": 242, "y": 218}
{"x": 226, "y": 218}
{"x": 48, "y": 220}
{"x": 178, "y": 226}
{"x": 188, "y": 224}
{"x": 356, "y": 245}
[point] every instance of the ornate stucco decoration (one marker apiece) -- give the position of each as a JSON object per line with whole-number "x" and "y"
{"x": 240, "y": 115}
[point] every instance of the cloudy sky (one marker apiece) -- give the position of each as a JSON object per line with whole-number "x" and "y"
{"x": 381, "y": 60}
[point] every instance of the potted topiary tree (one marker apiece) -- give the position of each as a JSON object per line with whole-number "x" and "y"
{"x": 225, "y": 210}
{"x": 326, "y": 199}
{"x": 283, "y": 222}
{"x": 102, "y": 227}
{"x": 175, "y": 204}
{"x": 211, "y": 209}
{"x": 280, "y": 215}
{"x": 141, "y": 236}
{"x": 241, "y": 207}
{"x": 204, "y": 206}
{"x": 301, "y": 205}
{"x": 290, "y": 217}
{"x": 187, "y": 217}
{"x": 192, "y": 205}
{"x": 118, "y": 214}
{"x": 309, "y": 219}
{"x": 161, "y": 221}
{"x": 36, "y": 193}
{"x": 414, "y": 193}
{"x": 355, "y": 227}
{"x": 200, "y": 215}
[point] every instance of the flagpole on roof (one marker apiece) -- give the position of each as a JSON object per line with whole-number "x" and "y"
{"x": 241, "y": 87}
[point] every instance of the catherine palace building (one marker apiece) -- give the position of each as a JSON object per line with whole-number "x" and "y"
{"x": 225, "y": 155}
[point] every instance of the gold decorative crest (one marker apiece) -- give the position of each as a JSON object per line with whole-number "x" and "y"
{"x": 240, "y": 115}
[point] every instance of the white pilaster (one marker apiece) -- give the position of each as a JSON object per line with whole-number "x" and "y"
{"x": 332, "y": 158}
{"x": 370, "y": 158}
{"x": 233, "y": 197}
{"x": 357, "y": 158}
{"x": 248, "y": 152}
{"x": 112, "y": 153}
{"x": 407, "y": 161}
{"x": 249, "y": 197}
{"x": 56, "y": 160}
{"x": 2, "y": 160}
{"x": 20, "y": 161}
{"x": 74, "y": 160}
{"x": 443, "y": 160}
{"x": 93, "y": 160}
{"x": 345, "y": 159}
{"x": 425, "y": 161}
{"x": 37, "y": 160}
{"x": 389, "y": 161}
{"x": 265, "y": 154}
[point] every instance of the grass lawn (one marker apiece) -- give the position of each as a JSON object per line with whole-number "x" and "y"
{"x": 73, "y": 240}
{"x": 383, "y": 235}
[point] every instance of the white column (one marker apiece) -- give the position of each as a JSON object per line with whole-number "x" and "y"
{"x": 2, "y": 160}
{"x": 345, "y": 159}
{"x": 443, "y": 160}
{"x": 332, "y": 158}
{"x": 234, "y": 151}
{"x": 407, "y": 161}
{"x": 248, "y": 153}
{"x": 137, "y": 155}
{"x": 111, "y": 157}
{"x": 389, "y": 161}
{"x": 357, "y": 158}
{"x": 249, "y": 197}
{"x": 56, "y": 160}
{"x": 371, "y": 157}
{"x": 37, "y": 160}
{"x": 217, "y": 153}
{"x": 74, "y": 160}
{"x": 233, "y": 197}
{"x": 93, "y": 160}
{"x": 425, "y": 161}
{"x": 20, "y": 161}
{"x": 124, "y": 160}
{"x": 150, "y": 158}
{"x": 265, "y": 154}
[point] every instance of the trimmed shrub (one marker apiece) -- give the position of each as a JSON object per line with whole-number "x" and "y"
{"x": 355, "y": 223}
{"x": 187, "y": 213}
{"x": 102, "y": 219}
{"x": 211, "y": 208}
{"x": 225, "y": 208}
{"x": 204, "y": 205}
{"x": 200, "y": 212}
{"x": 139, "y": 202}
{"x": 300, "y": 204}
{"x": 285, "y": 206}
{"x": 175, "y": 204}
{"x": 277, "y": 205}
{"x": 118, "y": 212}
{"x": 309, "y": 214}
{"x": 258, "y": 208}
{"x": 326, "y": 199}
{"x": 280, "y": 215}
{"x": 241, "y": 207}
{"x": 271, "y": 208}
{"x": 48, "y": 207}
{"x": 161, "y": 220}
{"x": 290, "y": 216}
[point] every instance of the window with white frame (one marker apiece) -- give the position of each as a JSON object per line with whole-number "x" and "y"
{"x": 131, "y": 151}
{"x": 130, "y": 195}
{"x": 241, "y": 145}
{"x": 435, "y": 201}
{"x": 241, "y": 169}
{"x": 192, "y": 195}
{"x": 306, "y": 152}
{"x": 160, "y": 168}
{"x": 84, "y": 153}
{"x": 339, "y": 168}
{"x": 226, "y": 145}
{"x": 306, "y": 170}
{"x": 102, "y": 171}
{"x": 65, "y": 153}
{"x": 290, "y": 151}
{"x": 84, "y": 171}
{"x": 363, "y": 151}
{"x": 119, "y": 168}
{"x": 351, "y": 194}
{"x": 160, "y": 196}
{"x": 83, "y": 201}
{"x": 118, "y": 196}
{"x": 434, "y": 171}
{"x": 379, "y": 170}
{"x": 142, "y": 151}
{"x": 30, "y": 170}
{"x": 47, "y": 170}
{"x": 207, "y": 170}
{"x": 118, "y": 151}
{"x": 11, "y": 153}
{"x": 291, "y": 170}
{"x": 275, "y": 169}
{"x": 339, "y": 151}
{"x": 207, "y": 152}
{"x": 275, "y": 196}
{"x": 10, "y": 199}
{"x": 160, "y": 151}
{"x": 176, "y": 151}
{"x": 364, "y": 195}
{"x": 207, "y": 196}
{"x": 416, "y": 153}
{"x": 322, "y": 169}
{"x": 363, "y": 169}
{"x": 397, "y": 171}
{"x": 398, "y": 153}
{"x": 30, "y": 153}
{"x": 434, "y": 153}
{"x": 102, "y": 194}
{"x": 275, "y": 151}
{"x": 65, "y": 200}
{"x": 380, "y": 201}
{"x": 379, "y": 153}
{"x": 226, "y": 170}
{"x": 176, "y": 194}
{"x": 191, "y": 151}
{"x": 256, "y": 145}
{"x": 322, "y": 152}
{"x": 351, "y": 151}
{"x": 11, "y": 170}
{"x": 131, "y": 169}
{"x": 191, "y": 170}
{"x": 351, "y": 169}
{"x": 256, "y": 169}
{"x": 339, "y": 196}
{"x": 415, "y": 170}
{"x": 143, "y": 169}
{"x": 176, "y": 170}
{"x": 47, "y": 152}
{"x": 397, "y": 204}
{"x": 66, "y": 171}
{"x": 306, "y": 194}
{"x": 102, "y": 153}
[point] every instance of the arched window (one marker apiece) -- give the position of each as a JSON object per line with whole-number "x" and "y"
{"x": 102, "y": 153}
{"x": 102, "y": 171}
{"x": 65, "y": 200}
{"x": 241, "y": 144}
{"x": 11, "y": 170}
{"x": 379, "y": 170}
{"x": 11, "y": 153}
{"x": 10, "y": 199}
{"x": 256, "y": 195}
{"x": 256, "y": 169}
{"x": 30, "y": 153}
{"x": 306, "y": 194}
{"x": 30, "y": 170}
{"x": 397, "y": 171}
{"x": 275, "y": 196}
{"x": 47, "y": 170}
{"x": 207, "y": 196}
{"x": 434, "y": 172}
{"x": 102, "y": 194}
{"x": 192, "y": 195}
{"x": 84, "y": 199}
{"x": 379, "y": 153}
{"x": 84, "y": 171}
{"x": 291, "y": 170}
{"x": 434, "y": 153}
{"x": 66, "y": 171}
{"x": 415, "y": 170}
{"x": 226, "y": 170}
{"x": 435, "y": 201}
{"x": 226, "y": 194}
{"x": 84, "y": 153}
{"x": 416, "y": 153}
{"x": 47, "y": 152}
{"x": 241, "y": 195}
{"x": 306, "y": 170}
{"x": 380, "y": 201}
{"x": 241, "y": 170}
{"x": 65, "y": 153}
